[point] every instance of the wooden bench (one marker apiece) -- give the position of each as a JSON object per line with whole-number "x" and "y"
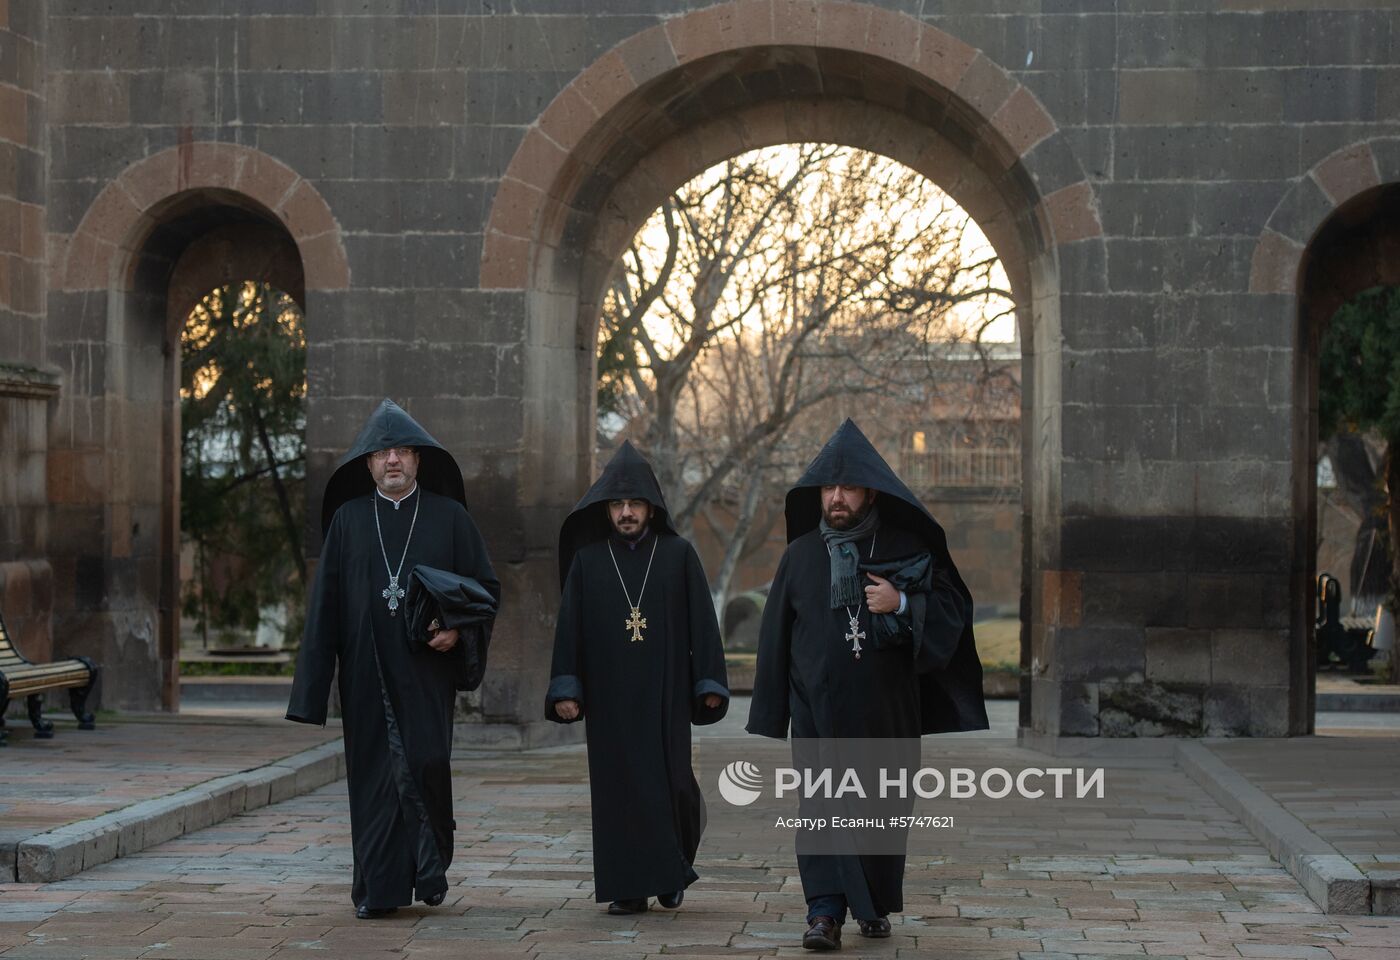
{"x": 20, "y": 678}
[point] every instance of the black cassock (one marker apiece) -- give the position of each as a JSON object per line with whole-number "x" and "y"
{"x": 639, "y": 699}
{"x": 829, "y": 693}
{"x": 808, "y": 679}
{"x": 396, "y": 696}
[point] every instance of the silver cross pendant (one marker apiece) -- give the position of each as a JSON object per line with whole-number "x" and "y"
{"x": 393, "y": 593}
{"x": 855, "y": 636}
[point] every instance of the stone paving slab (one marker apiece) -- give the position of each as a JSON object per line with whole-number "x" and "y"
{"x": 274, "y": 883}
{"x": 1345, "y": 789}
{"x": 82, "y": 775}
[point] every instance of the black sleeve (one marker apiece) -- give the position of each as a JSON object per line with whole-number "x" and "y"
{"x": 769, "y": 713}
{"x": 471, "y": 560}
{"x": 565, "y": 681}
{"x": 707, "y": 671}
{"x": 320, "y": 641}
{"x": 944, "y": 615}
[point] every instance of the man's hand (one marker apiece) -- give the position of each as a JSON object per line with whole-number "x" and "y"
{"x": 443, "y": 640}
{"x": 881, "y": 596}
{"x": 712, "y": 700}
{"x": 567, "y": 709}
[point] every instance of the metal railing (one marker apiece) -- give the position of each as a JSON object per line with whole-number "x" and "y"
{"x": 962, "y": 467}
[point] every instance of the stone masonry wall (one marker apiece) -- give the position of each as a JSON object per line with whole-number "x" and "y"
{"x": 1164, "y": 591}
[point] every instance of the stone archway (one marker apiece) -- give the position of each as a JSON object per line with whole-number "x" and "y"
{"x": 1332, "y": 236}
{"x": 670, "y": 101}
{"x": 194, "y": 214}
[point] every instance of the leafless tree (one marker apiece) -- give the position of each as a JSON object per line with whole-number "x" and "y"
{"x": 763, "y": 292}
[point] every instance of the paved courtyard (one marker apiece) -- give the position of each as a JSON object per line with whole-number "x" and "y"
{"x": 275, "y": 883}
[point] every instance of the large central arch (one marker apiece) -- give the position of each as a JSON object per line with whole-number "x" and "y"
{"x": 673, "y": 100}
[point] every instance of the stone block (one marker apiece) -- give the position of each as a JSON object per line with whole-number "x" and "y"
{"x": 1052, "y": 165}
{"x": 320, "y": 153}
{"x": 1147, "y": 209}
{"x": 398, "y": 43}
{"x": 1119, "y": 432}
{"x": 84, "y": 97}
{"x": 341, "y": 97}
{"x": 1219, "y": 38}
{"x": 517, "y": 97}
{"x": 1236, "y": 208}
{"x": 1090, "y": 653}
{"x": 1249, "y": 658}
{"x": 483, "y": 150}
{"x": 1176, "y": 656}
{"x": 1135, "y": 599}
{"x": 1385, "y": 892}
{"x": 1226, "y": 711}
{"x": 283, "y": 785}
{"x": 1236, "y": 432}
{"x": 101, "y": 846}
{"x": 1346, "y": 174}
{"x": 1207, "y": 152}
{"x": 403, "y": 153}
{"x": 1302, "y": 211}
{"x": 286, "y": 43}
{"x": 425, "y": 98}
{"x": 174, "y": 97}
{"x": 1269, "y": 711}
{"x": 1330, "y": 95}
{"x": 1137, "y": 709}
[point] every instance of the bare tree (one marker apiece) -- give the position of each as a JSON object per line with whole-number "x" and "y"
{"x": 768, "y": 289}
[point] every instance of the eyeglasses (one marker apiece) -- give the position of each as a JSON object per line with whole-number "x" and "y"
{"x": 630, "y": 504}
{"x": 403, "y": 453}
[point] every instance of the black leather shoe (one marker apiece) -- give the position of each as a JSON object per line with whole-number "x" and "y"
{"x": 620, "y": 908}
{"x": 824, "y": 933}
{"x": 875, "y": 929}
{"x": 671, "y": 900}
{"x": 368, "y": 913}
{"x": 436, "y": 899}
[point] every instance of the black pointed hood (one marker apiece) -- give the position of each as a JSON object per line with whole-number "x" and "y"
{"x": 849, "y": 458}
{"x": 627, "y": 476}
{"x": 391, "y": 426}
{"x": 951, "y": 698}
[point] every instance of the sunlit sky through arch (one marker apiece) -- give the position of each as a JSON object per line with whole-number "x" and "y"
{"x": 898, "y": 215}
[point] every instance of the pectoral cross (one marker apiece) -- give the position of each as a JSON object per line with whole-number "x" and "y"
{"x": 393, "y": 593}
{"x": 635, "y": 623}
{"x": 855, "y": 635}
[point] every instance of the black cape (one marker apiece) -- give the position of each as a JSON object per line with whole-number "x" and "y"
{"x": 638, "y": 699}
{"x": 396, "y": 694}
{"x": 949, "y": 671}
{"x": 807, "y": 679}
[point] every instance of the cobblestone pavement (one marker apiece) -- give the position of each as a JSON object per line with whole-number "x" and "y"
{"x": 1346, "y": 789}
{"x": 275, "y": 883}
{"x": 85, "y": 773}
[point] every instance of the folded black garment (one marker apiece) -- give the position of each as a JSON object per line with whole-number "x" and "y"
{"x": 441, "y": 599}
{"x": 914, "y": 577}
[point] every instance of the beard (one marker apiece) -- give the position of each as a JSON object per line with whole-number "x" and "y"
{"x": 845, "y": 521}
{"x": 632, "y": 536}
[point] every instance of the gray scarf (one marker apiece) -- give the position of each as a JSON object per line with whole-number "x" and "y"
{"x": 845, "y": 560}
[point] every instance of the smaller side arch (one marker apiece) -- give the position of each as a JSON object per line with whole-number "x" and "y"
{"x": 1337, "y": 179}
{"x": 100, "y": 251}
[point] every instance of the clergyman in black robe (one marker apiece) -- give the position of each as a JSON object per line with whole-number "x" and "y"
{"x": 638, "y": 657}
{"x": 395, "y": 501}
{"x": 915, "y": 673}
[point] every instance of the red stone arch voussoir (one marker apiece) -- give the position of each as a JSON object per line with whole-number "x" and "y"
{"x": 531, "y": 200}
{"x": 1341, "y": 176}
{"x": 117, "y": 222}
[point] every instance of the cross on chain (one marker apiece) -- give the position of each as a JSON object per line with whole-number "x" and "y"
{"x": 635, "y": 623}
{"x": 393, "y": 593}
{"x": 855, "y": 635}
